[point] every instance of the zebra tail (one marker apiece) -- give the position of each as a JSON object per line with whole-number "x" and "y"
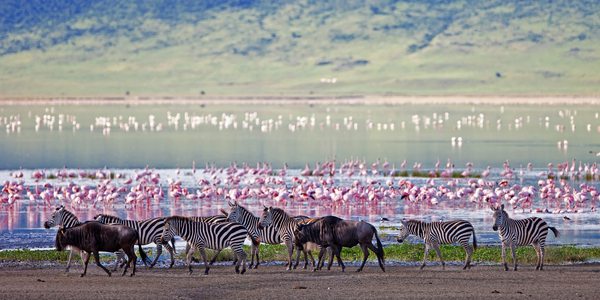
{"x": 474, "y": 241}
{"x": 554, "y": 230}
{"x": 379, "y": 246}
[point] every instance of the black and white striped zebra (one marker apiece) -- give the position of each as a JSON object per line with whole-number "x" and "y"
{"x": 150, "y": 231}
{"x": 283, "y": 224}
{"x": 267, "y": 235}
{"x": 531, "y": 231}
{"x": 437, "y": 233}
{"x": 61, "y": 217}
{"x": 207, "y": 235}
{"x": 209, "y": 219}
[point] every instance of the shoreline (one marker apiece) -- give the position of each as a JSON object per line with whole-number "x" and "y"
{"x": 302, "y": 100}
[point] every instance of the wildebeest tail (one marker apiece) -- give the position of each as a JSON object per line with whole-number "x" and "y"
{"x": 554, "y": 230}
{"x": 143, "y": 255}
{"x": 379, "y": 245}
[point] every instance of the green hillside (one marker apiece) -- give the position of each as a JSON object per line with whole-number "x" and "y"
{"x": 224, "y": 48}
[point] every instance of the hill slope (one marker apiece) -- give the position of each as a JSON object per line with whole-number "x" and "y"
{"x": 435, "y": 47}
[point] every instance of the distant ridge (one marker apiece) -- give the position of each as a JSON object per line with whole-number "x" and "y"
{"x": 324, "y": 48}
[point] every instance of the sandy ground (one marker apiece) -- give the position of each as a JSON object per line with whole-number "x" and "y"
{"x": 283, "y": 100}
{"x": 269, "y": 282}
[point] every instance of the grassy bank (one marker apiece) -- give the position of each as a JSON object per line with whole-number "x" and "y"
{"x": 403, "y": 252}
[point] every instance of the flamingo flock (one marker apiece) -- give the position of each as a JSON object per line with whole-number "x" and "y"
{"x": 571, "y": 187}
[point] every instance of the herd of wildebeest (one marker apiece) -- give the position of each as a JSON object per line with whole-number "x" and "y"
{"x": 326, "y": 234}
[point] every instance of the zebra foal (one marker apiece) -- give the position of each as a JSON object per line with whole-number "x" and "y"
{"x": 202, "y": 235}
{"x": 513, "y": 233}
{"x": 436, "y": 233}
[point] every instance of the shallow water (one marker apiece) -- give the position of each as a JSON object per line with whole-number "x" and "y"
{"x": 21, "y": 223}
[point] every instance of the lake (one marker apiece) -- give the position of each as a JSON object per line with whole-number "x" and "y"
{"x": 58, "y": 140}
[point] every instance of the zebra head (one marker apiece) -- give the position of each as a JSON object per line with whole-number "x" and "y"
{"x": 266, "y": 218}
{"x": 56, "y": 218}
{"x": 403, "y": 234}
{"x": 235, "y": 213}
{"x": 168, "y": 232}
{"x": 499, "y": 217}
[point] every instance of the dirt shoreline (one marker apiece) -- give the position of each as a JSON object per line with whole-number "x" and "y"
{"x": 290, "y": 100}
{"x": 268, "y": 282}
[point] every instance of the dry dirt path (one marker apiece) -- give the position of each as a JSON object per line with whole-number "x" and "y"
{"x": 269, "y": 282}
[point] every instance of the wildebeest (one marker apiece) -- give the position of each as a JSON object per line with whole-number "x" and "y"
{"x": 308, "y": 247}
{"x": 93, "y": 237}
{"x": 331, "y": 231}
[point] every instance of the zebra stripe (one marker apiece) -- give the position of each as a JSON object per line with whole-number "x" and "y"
{"x": 208, "y": 235}
{"x": 283, "y": 224}
{"x": 150, "y": 231}
{"x": 531, "y": 231}
{"x": 437, "y": 233}
{"x": 267, "y": 235}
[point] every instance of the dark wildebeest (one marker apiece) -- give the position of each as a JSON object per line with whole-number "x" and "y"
{"x": 331, "y": 231}
{"x": 93, "y": 237}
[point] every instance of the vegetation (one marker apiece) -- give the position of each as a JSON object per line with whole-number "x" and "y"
{"x": 399, "y": 252}
{"x": 219, "y": 48}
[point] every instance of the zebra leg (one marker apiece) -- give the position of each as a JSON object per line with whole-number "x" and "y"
{"x": 513, "y": 249}
{"x": 469, "y": 251}
{"x": 504, "y": 256}
{"x": 69, "y": 259}
{"x": 171, "y": 252}
{"x": 425, "y": 256}
{"x": 203, "y": 254}
{"x": 257, "y": 252}
{"x": 97, "y": 259}
{"x": 188, "y": 258}
{"x": 312, "y": 260}
{"x": 214, "y": 259}
{"x": 85, "y": 264}
{"x": 542, "y": 257}
{"x": 158, "y": 253}
{"x": 436, "y": 247}
{"x": 241, "y": 255}
{"x": 536, "y": 246}
{"x": 365, "y": 251}
{"x": 298, "y": 249}
{"x": 290, "y": 248}
{"x": 187, "y": 249}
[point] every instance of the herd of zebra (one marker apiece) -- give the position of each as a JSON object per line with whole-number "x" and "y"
{"x": 305, "y": 234}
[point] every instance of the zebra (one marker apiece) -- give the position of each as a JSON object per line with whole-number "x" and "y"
{"x": 513, "y": 233}
{"x": 283, "y": 224}
{"x": 209, "y": 219}
{"x": 208, "y": 235}
{"x": 436, "y": 233}
{"x": 150, "y": 231}
{"x": 267, "y": 235}
{"x": 63, "y": 218}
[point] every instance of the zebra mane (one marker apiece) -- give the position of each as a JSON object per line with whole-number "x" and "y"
{"x": 245, "y": 210}
{"x": 107, "y": 216}
{"x": 416, "y": 225}
{"x": 279, "y": 212}
{"x": 69, "y": 214}
{"x": 178, "y": 219}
